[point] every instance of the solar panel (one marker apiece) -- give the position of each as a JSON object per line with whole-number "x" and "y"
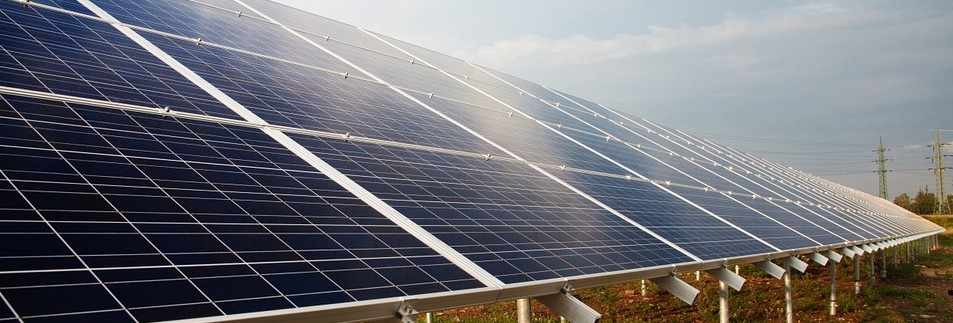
{"x": 208, "y": 207}
{"x": 227, "y": 159}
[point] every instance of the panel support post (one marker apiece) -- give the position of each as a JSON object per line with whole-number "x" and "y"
{"x": 883, "y": 263}
{"x": 567, "y": 306}
{"x": 857, "y": 275}
{"x": 873, "y": 269}
{"x": 722, "y": 302}
{"x": 833, "y": 289}
{"x": 429, "y": 317}
{"x": 909, "y": 256}
{"x": 524, "y": 312}
{"x": 677, "y": 287}
{"x": 643, "y": 287}
{"x": 895, "y": 250}
{"x": 788, "y": 297}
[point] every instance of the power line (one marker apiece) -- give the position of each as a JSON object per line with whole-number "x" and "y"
{"x": 777, "y": 141}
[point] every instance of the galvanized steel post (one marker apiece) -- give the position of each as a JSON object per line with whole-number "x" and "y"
{"x": 524, "y": 312}
{"x": 857, "y": 274}
{"x": 833, "y": 288}
{"x": 722, "y": 302}
{"x": 788, "y": 297}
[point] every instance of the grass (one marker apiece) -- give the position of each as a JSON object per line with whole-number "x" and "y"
{"x": 912, "y": 292}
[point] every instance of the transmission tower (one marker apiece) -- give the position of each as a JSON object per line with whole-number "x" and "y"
{"x": 882, "y": 168}
{"x": 942, "y": 207}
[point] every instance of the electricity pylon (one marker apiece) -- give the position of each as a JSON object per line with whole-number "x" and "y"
{"x": 942, "y": 207}
{"x": 882, "y": 168}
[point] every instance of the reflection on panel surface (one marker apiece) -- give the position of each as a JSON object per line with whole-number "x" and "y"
{"x": 507, "y": 218}
{"x": 220, "y": 219}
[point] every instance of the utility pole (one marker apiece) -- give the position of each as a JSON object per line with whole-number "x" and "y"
{"x": 882, "y": 168}
{"x": 942, "y": 207}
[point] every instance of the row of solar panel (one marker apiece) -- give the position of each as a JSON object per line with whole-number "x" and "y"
{"x": 116, "y": 215}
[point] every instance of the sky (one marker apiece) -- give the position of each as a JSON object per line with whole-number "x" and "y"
{"x": 809, "y": 84}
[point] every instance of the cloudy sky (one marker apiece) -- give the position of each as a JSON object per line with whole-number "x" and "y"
{"x": 808, "y": 84}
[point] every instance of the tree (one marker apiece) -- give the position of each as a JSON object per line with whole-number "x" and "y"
{"x": 903, "y": 200}
{"x": 924, "y": 202}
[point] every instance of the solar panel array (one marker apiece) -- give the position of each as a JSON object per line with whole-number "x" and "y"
{"x": 189, "y": 159}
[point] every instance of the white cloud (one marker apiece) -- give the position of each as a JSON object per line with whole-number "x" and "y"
{"x": 582, "y": 49}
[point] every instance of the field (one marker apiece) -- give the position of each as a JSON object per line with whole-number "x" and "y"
{"x": 918, "y": 291}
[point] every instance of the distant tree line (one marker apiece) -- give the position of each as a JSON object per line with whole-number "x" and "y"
{"x": 924, "y": 203}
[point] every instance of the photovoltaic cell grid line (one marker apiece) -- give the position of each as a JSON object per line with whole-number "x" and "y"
{"x": 379, "y": 63}
{"x": 118, "y": 216}
{"x": 842, "y": 228}
{"x": 897, "y": 223}
{"x": 529, "y": 269}
{"x": 817, "y": 233}
{"x": 169, "y": 194}
{"x": 817, "y": 193}
{"x": 329, "y": 250}
{"x": 535, "y": 142}
{"x": 50, "y": 51}
{"x": 744, "y": 209}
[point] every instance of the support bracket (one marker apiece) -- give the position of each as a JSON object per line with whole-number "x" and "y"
{"x": 770, "y": 268}
{"x": 570, "y": 307}
{"x": 857, "y": 250}
{"x": 866, "y": 248}
{"x": 795, "y": 263}
{"x": 848, "y": 252}
{"x": 830, "y": 254}
{"x": 677, "y": 287}
{"x": 818, "y": 258}
{"x": 406, "y": 313}
{"x": 728, "y": 277}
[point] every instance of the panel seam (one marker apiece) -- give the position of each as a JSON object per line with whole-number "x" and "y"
{"x": 303, "y": 153}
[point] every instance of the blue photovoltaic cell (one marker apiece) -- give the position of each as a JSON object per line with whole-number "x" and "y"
{"x": 757, "y": 223}
{"x": 320, "y": 26}
{"x": 882, "y": 224}
{"x": 289, "y": 95}
{"x": 446, "y": 63}
{"x": 195, "y": 20}
{"x": 220, "y": 219}
{"x": 683, "y": 224}
{"x": 229, "y": 5}
{"x": 850, "y": 220}
{"x": 753, "y": 184}
{"x": 71, "y": 5}
{"x": 49, "y": 51}
{"x": 733, "y": 210}
{"x": 535, "y": 143}
{"x": 507, "y": 218}
{"x": 629, "y": 133}
{"x": 518, "y": 270}
{"x": 649, "y": 161}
